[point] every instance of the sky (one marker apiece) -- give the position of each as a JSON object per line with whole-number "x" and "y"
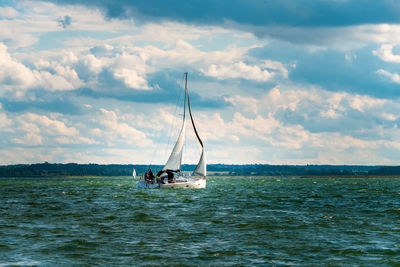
{"x": 270, "y": 81}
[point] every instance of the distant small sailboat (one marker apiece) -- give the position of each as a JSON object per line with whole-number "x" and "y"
{"x": 171, "y": 175}
{"x": 134, "y": 173}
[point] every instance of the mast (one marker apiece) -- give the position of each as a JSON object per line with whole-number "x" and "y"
{"x": 184, "y": 112}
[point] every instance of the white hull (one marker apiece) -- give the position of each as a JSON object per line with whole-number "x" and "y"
{"x": 193, "y": 182}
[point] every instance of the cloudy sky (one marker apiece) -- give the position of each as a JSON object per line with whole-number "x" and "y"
{"x": 271, "y": 81}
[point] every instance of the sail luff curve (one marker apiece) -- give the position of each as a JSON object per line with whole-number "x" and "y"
{"x": 201, "y": 168}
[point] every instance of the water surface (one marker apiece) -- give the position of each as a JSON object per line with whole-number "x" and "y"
{"x": 234, "y": 221}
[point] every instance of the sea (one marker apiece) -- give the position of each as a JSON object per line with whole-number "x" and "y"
{"x": 263, "y": 221}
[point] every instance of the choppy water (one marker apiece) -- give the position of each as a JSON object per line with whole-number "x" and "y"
{"x": 234, "y": 221}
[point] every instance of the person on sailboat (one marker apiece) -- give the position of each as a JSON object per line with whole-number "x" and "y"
{"x": 151, "y": 176}
{"x": 160, "y": 177}
{"x": 171, "y": 178}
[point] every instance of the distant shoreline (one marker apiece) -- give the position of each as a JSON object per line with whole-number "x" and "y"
{"x": 215, "y": 176}
{"x": 246, "y": 170}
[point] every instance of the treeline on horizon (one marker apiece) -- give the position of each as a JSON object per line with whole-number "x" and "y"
{"x": 73, "y": 169}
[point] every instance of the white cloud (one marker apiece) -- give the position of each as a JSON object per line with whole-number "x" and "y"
{"x": 8, "y": 12}
{"x": 4, "y": 121}
{"x": 40, "y": 129}
{"x": 234, "y": 154}
{"x": 276, "y": 65}
{"x": 30, "y": 139}
{"x": 258, "y": 127}
{"x": 31, "y": 154}
{"x": 117, "y": 131}
{"x": 239, "y": 70}
{"x": 171, "y": 34}
{"x": 393, "y": 77}
{"x": 249, "y": 104}
{"x": 75, "y": 140}
{"x": 385, "y": 52}
{"x": 131, "y": 79}
{"x": 16, "y": 76}
{"x": 47, "y": 125}
{"x": 13, "y": 73}
{"x": 362, "y": 103}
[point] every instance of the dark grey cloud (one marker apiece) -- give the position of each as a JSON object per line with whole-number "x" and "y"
{"x": 253, "y": 12}
{"x": 64, "y": 22}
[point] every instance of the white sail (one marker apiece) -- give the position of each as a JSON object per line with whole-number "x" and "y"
{"x": 175, "y": 159}
{"x": 201, "y": 168}
{"x": 134, "y": 173}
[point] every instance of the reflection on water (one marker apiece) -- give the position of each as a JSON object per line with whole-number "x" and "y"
{"x": 242, "y": 221}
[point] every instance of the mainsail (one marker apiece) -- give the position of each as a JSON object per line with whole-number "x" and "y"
{"x": 175, "y": 159}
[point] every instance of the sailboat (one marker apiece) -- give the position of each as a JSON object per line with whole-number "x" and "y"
{"x": 134, "y": 173}
{"x": 171, "y": 175}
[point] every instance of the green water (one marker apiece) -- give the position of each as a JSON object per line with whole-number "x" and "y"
{"x": 234, "y": 221}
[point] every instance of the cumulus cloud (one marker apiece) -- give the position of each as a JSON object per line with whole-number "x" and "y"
{"x": 119, "y": 131}
{"x": 16, "y": 76}
{"x": 326, "y": 123}
{"x": 385, "y": 52}
{"x": 320, "y": 110}
{"x": 132, "y": 65}
{"x": 131, "y": 69}
{"x": 14, "y": 73}
{"x": 239, "y": 70}
{"x": 40, "y": 129}
{"x": 30, "y": 139}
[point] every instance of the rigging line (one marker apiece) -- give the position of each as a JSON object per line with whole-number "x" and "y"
{"x": 177, "y": 96}
{"x": 169, "y": 133}
{"x": 184, "y": 118}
